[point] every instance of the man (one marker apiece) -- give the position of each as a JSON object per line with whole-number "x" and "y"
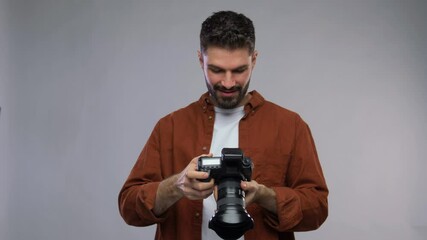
{"x": 288, "y": 192}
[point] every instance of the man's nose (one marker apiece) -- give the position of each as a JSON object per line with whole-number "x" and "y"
{"x": 228, "y": 81}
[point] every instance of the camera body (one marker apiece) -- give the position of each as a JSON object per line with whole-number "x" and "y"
{"x": 231, "y": 220}
{"x": 231, "y": 164}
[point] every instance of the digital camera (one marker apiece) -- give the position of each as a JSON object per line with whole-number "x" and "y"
{"x": 231, "y": 220}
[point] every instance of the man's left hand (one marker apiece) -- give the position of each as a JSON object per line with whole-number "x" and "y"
{"x": 260, "y": 194}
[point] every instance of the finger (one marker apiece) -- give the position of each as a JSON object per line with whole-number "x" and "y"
{"x": 196, "y": 159}
{"x": 203, "y": 195}
{"x": 248, "y": 200}
{"x": 245, "y": 185}
{"x": 249, "y": 186}
{"x": 203, "y": 186}
{"x": 215, "y": 192}
{"x": 197, "y": 174}
{"x": 196, "y": 194}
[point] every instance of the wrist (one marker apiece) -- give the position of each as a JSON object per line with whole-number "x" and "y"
{"x": 168, "y": 188}
{"x": 266, "y": 196}
{"x": 167, "y": 194}
{"x": 173, "y": 187}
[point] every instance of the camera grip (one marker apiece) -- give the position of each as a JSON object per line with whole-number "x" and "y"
{"x": 206, "y": 164}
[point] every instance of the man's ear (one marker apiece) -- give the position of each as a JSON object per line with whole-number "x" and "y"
{"x": 254, "y": 57}
{"x": 200, "y": 56}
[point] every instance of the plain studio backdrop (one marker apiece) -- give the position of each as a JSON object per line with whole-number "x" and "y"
{"x": 82, "y": 83}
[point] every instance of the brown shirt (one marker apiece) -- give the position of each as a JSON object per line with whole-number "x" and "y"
{"x": 277, "y": 140}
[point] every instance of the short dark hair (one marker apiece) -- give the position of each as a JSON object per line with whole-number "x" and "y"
{"x": 227, "y": 29}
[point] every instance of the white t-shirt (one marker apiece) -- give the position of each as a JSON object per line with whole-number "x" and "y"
{"x": 225, "y": 135}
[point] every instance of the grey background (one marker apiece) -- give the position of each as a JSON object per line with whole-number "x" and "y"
{"x": 82, "y": 84}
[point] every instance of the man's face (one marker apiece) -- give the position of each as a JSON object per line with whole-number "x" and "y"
{"x": 227, "y": 74}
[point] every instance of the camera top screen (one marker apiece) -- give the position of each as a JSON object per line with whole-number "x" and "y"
{"x": 211, "y": 161}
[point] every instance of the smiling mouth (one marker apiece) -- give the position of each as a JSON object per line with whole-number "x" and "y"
{"x": 231, "y": 90}
{"x": 228, "y": 93}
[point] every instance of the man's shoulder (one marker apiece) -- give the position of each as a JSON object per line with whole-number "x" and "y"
{"x": 276, "y": 109}
{"x": 258, "y": 101}
{"x": 184, "y": 113}
{"x": 277, "y": 115}
{"x": 187, "y": 111}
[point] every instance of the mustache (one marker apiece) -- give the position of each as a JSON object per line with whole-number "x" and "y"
{"x": 219, "y": 87}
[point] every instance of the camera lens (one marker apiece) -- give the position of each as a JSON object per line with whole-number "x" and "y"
{"x": 231, "y": 219}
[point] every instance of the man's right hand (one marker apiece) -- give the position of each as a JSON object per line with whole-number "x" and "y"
{"x": 184, "y": 184}
{"x": 189, "y": 185}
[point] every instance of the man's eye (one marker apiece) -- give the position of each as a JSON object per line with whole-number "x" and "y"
{"x": 242, "y": 70}
{"x": 214, "y": 70}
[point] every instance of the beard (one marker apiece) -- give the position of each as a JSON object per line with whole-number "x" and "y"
{"x": 227, "y": 102}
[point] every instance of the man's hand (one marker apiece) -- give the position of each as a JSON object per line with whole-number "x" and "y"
{"x": 189, "y": 185}
{"x": 184, "y": 184}
{"x": 260, "y": 194}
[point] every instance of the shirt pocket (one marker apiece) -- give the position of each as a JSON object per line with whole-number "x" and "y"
{"x": 269, "y": 166}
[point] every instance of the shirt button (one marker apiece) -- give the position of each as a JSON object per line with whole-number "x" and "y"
{"x": 197, "y": 215}
{"x": 210, "y": 117}
{"x": 204, "y": 148}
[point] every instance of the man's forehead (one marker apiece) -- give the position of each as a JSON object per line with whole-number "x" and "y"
{"x": 222, "y": 50}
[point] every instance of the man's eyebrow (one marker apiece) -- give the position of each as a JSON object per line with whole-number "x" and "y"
{"x": 242, "y": 67}
{"x": 214, "y": 66}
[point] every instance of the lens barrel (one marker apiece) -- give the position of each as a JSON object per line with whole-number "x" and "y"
{"x": 231, "y": 220}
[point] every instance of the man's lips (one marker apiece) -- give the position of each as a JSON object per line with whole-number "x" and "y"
{"x": 228, "y": 93}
